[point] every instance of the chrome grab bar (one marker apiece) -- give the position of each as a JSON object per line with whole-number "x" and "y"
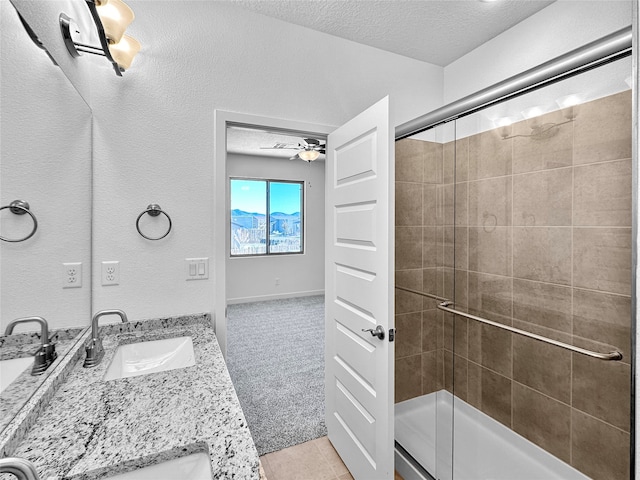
{"x": 418, "y": 292}
{"x": 445, "y": 306}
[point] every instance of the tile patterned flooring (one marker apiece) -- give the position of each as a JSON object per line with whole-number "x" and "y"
{"x": 313, "y": 460}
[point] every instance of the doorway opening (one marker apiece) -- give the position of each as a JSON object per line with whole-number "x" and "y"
{"x": 269, "y": 315}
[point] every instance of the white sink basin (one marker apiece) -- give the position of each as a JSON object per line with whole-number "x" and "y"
{"x": 11, "y": 369}
{"x": 193, "y": 467}
{"x": 151, "y": 357}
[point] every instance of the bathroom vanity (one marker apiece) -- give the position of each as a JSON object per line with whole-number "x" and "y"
{"x": 83, "y": 426}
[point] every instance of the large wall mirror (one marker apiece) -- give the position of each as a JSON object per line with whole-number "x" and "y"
{"x": 45, "y": 160}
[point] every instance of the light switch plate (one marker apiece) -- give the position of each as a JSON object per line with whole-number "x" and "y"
{"x": 197, "y": 268}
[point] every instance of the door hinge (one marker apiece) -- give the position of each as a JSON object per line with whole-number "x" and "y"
{"x": 392, "y": 334}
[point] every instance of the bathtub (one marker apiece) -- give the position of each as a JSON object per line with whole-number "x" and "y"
{"x": 483, "y": 449}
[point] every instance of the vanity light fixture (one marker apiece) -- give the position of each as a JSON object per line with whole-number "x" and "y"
{"x": 112, "y": 17}
{"x": 505, "y": 124}
{"x": 539, "y": 131}
{"x": 570, "y": 105}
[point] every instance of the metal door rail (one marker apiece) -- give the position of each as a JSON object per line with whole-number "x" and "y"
{"x": 599, "y": 52}
{"x": 446, "y": 304}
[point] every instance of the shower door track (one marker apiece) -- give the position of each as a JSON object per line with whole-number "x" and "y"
{"x": 599, "y": 52}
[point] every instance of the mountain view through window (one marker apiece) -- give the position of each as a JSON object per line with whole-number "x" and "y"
{"x": 256, "y": 204}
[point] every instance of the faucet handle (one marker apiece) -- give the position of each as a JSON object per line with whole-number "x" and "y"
{"x": 43, "y": 359}
{"x": 95, "y": 352}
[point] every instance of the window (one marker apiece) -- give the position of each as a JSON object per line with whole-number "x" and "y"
{"x": 258, "y": 203}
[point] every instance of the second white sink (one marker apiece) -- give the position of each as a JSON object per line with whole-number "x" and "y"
{"x": 196, "y": 466}
{"x": 11, "y": 369}
{"x": 143, "y": 358}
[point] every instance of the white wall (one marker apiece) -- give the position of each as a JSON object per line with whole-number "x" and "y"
{"x": 43, "y": 18}
{"x": 557, "y": 29}
{"x": 153, "y": 129}
{"x": 45, "y": 160}
{"x": 253, "y": 278}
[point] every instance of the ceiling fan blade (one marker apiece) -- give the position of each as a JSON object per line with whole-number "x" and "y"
{"x": 312, "y": 141}
{"x": 282, "y": 146}
{"x": 322, "y": 150}
{"x": 295, "y": 157}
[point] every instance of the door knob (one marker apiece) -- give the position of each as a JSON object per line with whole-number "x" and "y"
{"x": 378, "y": 332}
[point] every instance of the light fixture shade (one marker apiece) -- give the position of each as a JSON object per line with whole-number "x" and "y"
{"x": 124, "y": 51}
{"x": 532, "y": 115}
{"x": 569, "y": 105}
{"x": 115, "y": 16}
{"x": 309, "y": 155}
{"x": 505, "y": 126}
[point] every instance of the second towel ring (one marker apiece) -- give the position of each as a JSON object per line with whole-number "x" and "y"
{"x": 20, "y": 207}
{"x": 154, "y": 210}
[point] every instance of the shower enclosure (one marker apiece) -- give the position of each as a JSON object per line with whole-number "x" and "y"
{"x": 513, "y": 287}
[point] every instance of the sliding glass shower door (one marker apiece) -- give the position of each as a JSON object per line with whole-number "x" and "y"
{"x": 424, "y": 277}
{"x": 513, "y": 276}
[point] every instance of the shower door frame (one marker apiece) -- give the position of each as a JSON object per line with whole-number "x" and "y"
{"x": 592, "y": 55}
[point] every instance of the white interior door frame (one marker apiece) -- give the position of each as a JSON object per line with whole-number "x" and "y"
{"x": 221, "y": 212}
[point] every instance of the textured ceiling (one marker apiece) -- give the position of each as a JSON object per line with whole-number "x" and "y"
{"x": 434, "y": 31}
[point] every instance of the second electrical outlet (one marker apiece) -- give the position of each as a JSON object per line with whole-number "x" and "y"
{"x": 110, "y": 273}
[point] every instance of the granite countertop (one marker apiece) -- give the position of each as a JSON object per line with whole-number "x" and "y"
{"x": 22, "y": 345}
{"x": 94, "y": 428}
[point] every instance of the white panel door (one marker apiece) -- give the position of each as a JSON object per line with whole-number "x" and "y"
{"x": 359, "y": 263}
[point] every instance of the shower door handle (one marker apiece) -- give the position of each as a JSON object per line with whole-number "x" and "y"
{"x": 378, "y": 332}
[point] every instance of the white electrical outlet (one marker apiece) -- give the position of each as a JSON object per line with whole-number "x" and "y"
{"x": 72, "y": 275}
{"x": 110, "y": 273}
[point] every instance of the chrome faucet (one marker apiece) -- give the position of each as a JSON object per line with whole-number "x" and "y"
{"x": 19, "y": 467}
{"x": 93, "y": 347}
{"x": 46, "y": 354}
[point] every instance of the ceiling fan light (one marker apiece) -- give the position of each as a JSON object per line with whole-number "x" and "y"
{"x": 309, "y": 155}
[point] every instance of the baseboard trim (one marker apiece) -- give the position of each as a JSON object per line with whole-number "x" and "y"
{"x": 279, "y": 296}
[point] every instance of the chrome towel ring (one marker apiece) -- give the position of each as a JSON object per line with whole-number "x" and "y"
{"x": 20, "y": 207}
{"x": 153, "y": 210}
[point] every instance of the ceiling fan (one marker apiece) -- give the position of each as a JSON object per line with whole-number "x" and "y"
{"x": 309, "y": 150}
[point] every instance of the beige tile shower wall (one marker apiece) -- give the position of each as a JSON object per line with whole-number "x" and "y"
{"x": 541, "y": 232}
{"x": 547, "y": 240}
{"x": 419, "y": 259}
